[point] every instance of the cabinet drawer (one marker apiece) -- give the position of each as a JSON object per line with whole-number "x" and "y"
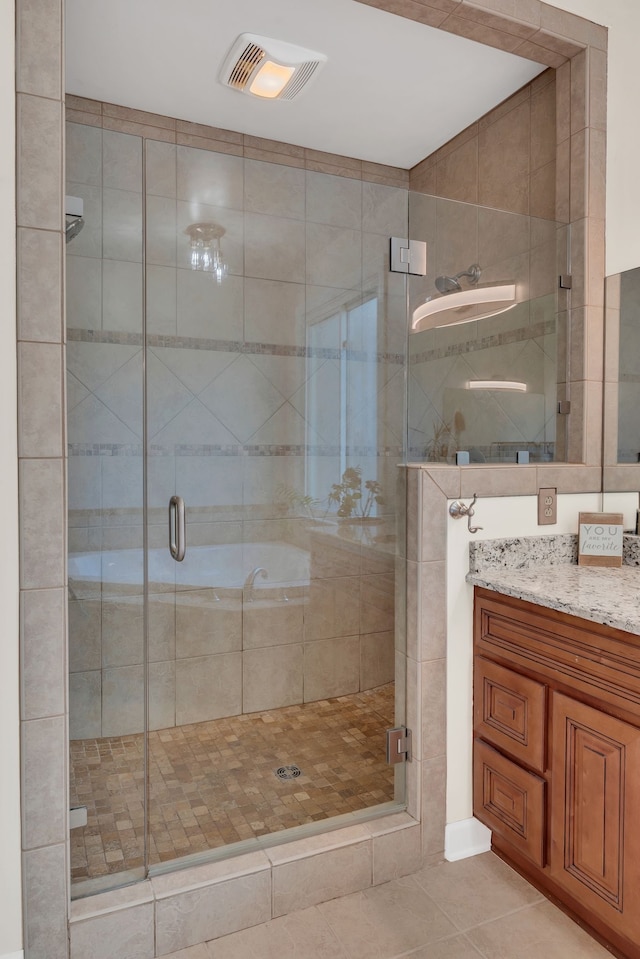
{"x": 509, "y": 800}
{"x": 509, "y": 710}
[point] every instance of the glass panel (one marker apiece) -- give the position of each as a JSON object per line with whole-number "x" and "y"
{"x": 275, "y": 409}
{"x": 246, "y": 689}
{"x": 485, "y": 379}
{"x": 628, "y": 376}
{"x": 105, "y": 475}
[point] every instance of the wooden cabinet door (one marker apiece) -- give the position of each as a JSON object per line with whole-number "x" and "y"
{"x": 595, "y": 803}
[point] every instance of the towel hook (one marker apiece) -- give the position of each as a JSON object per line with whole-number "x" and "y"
{"x": 458, "y": 510}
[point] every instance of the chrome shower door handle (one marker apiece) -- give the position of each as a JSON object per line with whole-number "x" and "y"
{"x": 177, "y": 528}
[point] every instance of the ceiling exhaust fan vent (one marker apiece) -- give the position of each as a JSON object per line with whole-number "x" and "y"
{"x": 269, "y": 69}
{"x": 245, "y": 65}
{"x": 299, "y": 79}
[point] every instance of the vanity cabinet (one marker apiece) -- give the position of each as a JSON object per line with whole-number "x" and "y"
{"x": 557, "y": 757}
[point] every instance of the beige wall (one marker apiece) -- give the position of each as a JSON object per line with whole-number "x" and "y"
{"x": 10, "y": 911}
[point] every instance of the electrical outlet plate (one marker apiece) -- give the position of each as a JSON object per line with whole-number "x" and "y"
{"x": 547, "y": 506}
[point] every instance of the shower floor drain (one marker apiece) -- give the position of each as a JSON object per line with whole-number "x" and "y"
{"x": 288, "y": 772}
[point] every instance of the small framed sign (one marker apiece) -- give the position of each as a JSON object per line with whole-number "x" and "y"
{"x": 600, "y": 539}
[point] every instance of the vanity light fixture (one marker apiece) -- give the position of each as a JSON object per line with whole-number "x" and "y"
{"x": 497, "y": 385}
{"x": 463, "y": 306}
{"x": 270, "y": 69}
{"x": 206, "y": 254}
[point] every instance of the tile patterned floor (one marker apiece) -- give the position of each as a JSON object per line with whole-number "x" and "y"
{"x": 473, "y": 909}
{"x": 214, "y": 783}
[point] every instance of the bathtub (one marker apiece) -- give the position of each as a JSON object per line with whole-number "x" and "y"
{"x": 225, "y": 567}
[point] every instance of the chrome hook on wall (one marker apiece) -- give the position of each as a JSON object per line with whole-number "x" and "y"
{"x": 458, "y": 510}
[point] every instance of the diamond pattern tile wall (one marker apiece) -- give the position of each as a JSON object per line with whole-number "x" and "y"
{"x": 242, "y": 398}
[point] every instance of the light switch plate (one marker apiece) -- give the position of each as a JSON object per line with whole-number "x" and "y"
{"x": 547, "y": 506}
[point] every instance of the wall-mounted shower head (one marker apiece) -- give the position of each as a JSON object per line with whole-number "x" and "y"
{"x": 73, "y": 226}
{"x": 451, "y": 284}
{"x": 74, "y": 221}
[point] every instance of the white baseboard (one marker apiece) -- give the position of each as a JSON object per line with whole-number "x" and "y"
{"x": 466, "y": 838}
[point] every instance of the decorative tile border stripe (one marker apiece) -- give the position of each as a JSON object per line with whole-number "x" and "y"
{"x": 544, "y": 328}
{"x": 247, "y": 450}
{"x": 156, "y": 341}
{"x": 105, "y": 449}
{"x": 499, "y": 452}
{"x": 76, "y": 335}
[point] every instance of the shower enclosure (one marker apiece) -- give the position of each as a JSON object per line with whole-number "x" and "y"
{"x": 240, "y": 384}
{"x": 490, "y": 386}
{"x": 236, "y": 363}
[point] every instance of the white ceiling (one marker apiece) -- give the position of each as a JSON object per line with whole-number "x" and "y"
{"x": 393, "y": 90}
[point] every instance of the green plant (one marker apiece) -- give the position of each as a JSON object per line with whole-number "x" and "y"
{"x": 349, "y": 497}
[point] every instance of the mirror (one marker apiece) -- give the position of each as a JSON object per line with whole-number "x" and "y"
{"x": 628, "y": 432}
{"x": 621, "y": 430}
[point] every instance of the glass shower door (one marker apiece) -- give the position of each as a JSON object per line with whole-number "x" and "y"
{"x": 193, "y": 331}
{"x": 243, "y": 688}
{"x": 271, "y": 647}
{"x": 104, "y": 314}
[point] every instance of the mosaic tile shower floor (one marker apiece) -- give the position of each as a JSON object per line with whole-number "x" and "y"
{"x": 214, "y": 783}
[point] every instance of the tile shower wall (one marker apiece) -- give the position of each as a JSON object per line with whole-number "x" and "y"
{"x": 506, "y": 160}
{"x": 253, "y": 397}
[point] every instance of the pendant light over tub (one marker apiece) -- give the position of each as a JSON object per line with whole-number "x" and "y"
{"x": 206, "y": 254}
{"x": 271, "y": 69}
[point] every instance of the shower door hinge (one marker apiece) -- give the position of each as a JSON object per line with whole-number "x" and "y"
{"x": 398, "y": 745}
{"x": 565, "y": 281}
{"x": 408, "y": 256}
{"x": 564, "y": 407}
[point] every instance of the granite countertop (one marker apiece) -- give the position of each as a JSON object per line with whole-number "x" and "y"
{"x": 543, "y": 570}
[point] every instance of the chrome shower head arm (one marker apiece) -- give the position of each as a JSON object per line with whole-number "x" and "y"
{"x": 474, "y": 273}
{"x": 451, "y": 284}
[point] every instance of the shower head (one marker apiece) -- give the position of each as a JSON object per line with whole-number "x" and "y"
{"x": 73, "y": 226}
{"x": 451, "y": 284}
{"x": 74, "y": 212}
{"x": 447, "y": 284}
